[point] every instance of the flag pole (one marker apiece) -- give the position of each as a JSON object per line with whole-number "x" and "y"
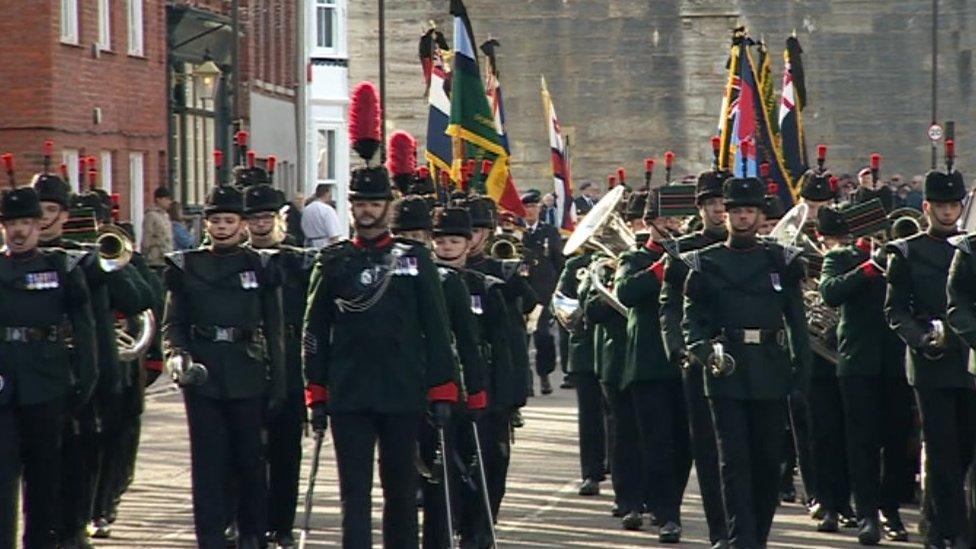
{"x": 382, "y": 55}
{"x": 935, "y": 72}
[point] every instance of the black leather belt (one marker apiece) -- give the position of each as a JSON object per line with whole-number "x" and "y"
{"x": 754, "y": 336}
{"x": 222, "y": 334}
{"x": 30, "y": 334}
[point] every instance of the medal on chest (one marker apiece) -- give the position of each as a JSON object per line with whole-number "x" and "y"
{"x": 476, "y": 307}
{"x": 406, "y": 266}
{"x": 2, "y": 383}
{"x": 774, "y": 279}
{"x": 367, "y": 277}
{"x": 249, "y": 280}
{"x": 42, "y": 281}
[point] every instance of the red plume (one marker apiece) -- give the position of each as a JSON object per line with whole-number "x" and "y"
{"x": 621, "y": 175}
{"x": 764, "y": 169}
{"x": 90, "y": 162}
{"x": 92, "y": 179}
{"x": 772, "y": 189}
{"x": 469, "y": 166}
{"x": 648, "y": 165}
{"x": 875, "y": 161}
{"x": 821, "y": 152}
{"x": 64, "y": 172}
{"x": 8, "y": 166}
{"x": 241, "y": 138}
{"x": 716, "y": 144}
{"x": 272, "y": 162}
{"x": 445, "y": 178}
{"x": 251, "y": 157}
{"x": 833, "y": 182}
{"x": 364, "y": 120}
{"x": 950, "y": 148}
{"x": 423, "y": 172}
{"x": 48, "y": 147}
{"x": 611, "y": 181}
{"x": 744, "y": 148}
{"x": 218, "y": 156}
{"x": 485, "y": 167}
{"x": 401, "y": 154}
{"x": 668, "y": 159}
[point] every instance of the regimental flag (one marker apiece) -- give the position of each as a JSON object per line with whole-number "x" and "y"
{"x": 493, "y": 89}
{"x": 730, "y": 98}
{"x": 439, "y": 151}
{"x": 791, "y": 107}
{"x": 766, "y": 89}
{"x": 472, "y": 123}
{"x": 432, "y": 43}
{"x": 561, "y": 178}
{"x": 749, "y": 123}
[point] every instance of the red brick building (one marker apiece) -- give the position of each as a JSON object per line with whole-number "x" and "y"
{"x": 90, "y": 75}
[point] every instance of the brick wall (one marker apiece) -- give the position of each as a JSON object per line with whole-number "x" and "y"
{"x": 633, "y": 78}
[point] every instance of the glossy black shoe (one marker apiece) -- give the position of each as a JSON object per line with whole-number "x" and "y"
{"x": 567, "y": 383}
{"x": 632, "y": 521}
{"x": 869, "y": 532}
{"x": 589, "y": 487}
{"x": 828, "y": 523}
{"x": 670, "y": 533}
{"x": 544, "y": 386}
{"x": 230, "y": 536}
{"x": 847, "y": 518}
{"x": 517, "y": 420}
{"x": 894, "y": 528}
{"x": 815, "y": 509}
{"x": 616, "y": 511}
{"x": 100, "y": 529}
{"x": 788, "y": 495}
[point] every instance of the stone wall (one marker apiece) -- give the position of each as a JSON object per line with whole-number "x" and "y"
{"x": 634, "y": 78}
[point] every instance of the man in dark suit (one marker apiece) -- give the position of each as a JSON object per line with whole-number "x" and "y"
{"x": 544, "y": 254}
{"x": 586, "y": 200}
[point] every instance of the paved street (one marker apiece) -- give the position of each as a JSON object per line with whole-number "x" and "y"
{"x": 540, "y": 510}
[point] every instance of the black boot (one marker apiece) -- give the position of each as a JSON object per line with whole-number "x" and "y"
{"x": 632, "y": 521}
{"x": 589, "y": 487}
{"x": 869, "y": 532}
{"x": 829, "y": 522}
{"x": 544, "y": 386}
{"x": 670, "y": 533}
{"x": 894, "y": 528}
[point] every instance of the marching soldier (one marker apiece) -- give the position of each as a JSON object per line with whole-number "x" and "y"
{"x": 224, "y": 314}
{"x": 376, "y": 348}
{"x": 916, "y": 309}
{"x": 41, "y": 380}
{"x": 544, "y": 253}
{"x": 652, "y": 382}
{"x": 262, "y": 204}
{"x": 711, "y": 208}
{"x": 745, "y": 325}
{"x": 119, "y": 291}
{"x": 876, "y": 396}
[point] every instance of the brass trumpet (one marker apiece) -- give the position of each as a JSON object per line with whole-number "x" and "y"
{"x": 113, "y": 247}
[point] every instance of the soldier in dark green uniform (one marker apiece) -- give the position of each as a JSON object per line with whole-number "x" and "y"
{"x": 452, "y": 237}
{"x": 711, "y": 208}
{"x": 122, "y": 291}
{"x": 745, "y": 325}
{"x": 916, "y": 308}
{"x": 652, "y": 382}
{"x": 871, "y": 371}
{"x": 42, "y": 293}
{"x": 223, "y": 310}
{"x": 261, "y": 206}
{"x": 376, "y": 348}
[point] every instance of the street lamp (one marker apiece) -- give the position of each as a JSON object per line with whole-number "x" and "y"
{"x": 205, "y": 78}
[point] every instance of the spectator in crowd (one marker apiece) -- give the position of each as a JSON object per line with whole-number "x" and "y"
{"x": 914, "y": 197}
{"x": 588, "y": 196}
{"x": 320, "y": 223}
{"x": 183, "y": 239}
{"x": 157, "y": 230}
{"x": 901, "y": 194}
{"x": 549, "y": 214}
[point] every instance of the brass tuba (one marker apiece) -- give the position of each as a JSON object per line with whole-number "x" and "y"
{"x": 604, "y": 230}
{"x": 132, "y": 335}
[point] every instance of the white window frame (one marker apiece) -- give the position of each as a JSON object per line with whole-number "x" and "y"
{"x": 70, "y": 158}
{"x": 105, "y": 25}
{"x": 137, "y": 186}
{"x": 136, "y": 28}
{"x": 69, "y": 22}
{"x": 338, "y": 48}
{"x": 105, "y": 167}
{"x": 334, "y": 153}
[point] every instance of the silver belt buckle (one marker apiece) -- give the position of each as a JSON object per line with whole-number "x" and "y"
{"x": 752, "y": 336}
{"x": 17, "y": 335}
{"x": 223, "y": 335}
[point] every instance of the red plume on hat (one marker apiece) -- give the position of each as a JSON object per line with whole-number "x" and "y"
{"x": 48, "y": 153}
{"x": 401, "y": 154}
{"x": 8, "y": 166}
{"x": 364, "y": 120}
{"x": 772, "y": 189}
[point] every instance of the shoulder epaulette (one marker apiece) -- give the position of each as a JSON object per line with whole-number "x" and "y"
{"x": 962, "y": 242}
{"x": 308, "y": 258}
{"x": 334, "y": 250}
{"x": 693, "y": 259}
{"x": 177, "y": 259}
{"x": 492, "y": 281}
{"x": 265, "y": 255}
{"x": 402, "y": 248}
{"x": 790, "y": 253}
{"x": 898, "y": 246}
{"x": 74, "y": 258}
{"x": 445, "y": 271}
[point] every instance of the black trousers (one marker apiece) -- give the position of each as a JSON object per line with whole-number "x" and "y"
{"x": 494, "y": 432}
{"x": 545, "y": 343}
{"x": 662, "y": 420}
{"x": 704, "y": 449}
{"x": 799, "y": 418}
{"x": 30, "y": 441}
{"x": 749, "y": 434}
{"x": 226, "y": 450}
{"x": 625, "y": 451}
{"x": 81, "y": 449}
{"x": 114, "y": 422}
{"x": 879, "y": 422}
{"x": 435, "y": 532}
{"x": 563, "y": 348}
{"x": 591, "y": 421}
{"x": 948, "y": 431}
{"x": 355, "y": 436}
{"x": 828, "y": 428}
{"x": 285, "y": 463}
